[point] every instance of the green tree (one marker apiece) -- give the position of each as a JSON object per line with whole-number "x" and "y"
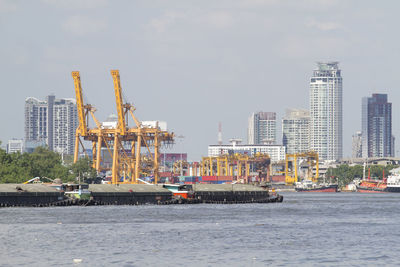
{"x": 83, "y": 169}
{"x": 345, "y": 173}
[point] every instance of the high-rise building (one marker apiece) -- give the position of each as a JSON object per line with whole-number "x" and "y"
{"x": 356, "y": 148}
{"x": 53, "y": 121}
{"x": 262, "y": 128}
{"x": 296, "y": 131}
{"x": 326, "y": 111}
{"x": 377, "y": 139}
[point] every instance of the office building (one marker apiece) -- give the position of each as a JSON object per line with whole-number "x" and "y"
{"x": 53, "y": 121}
{"x": 296, "y": 131}
{"x": 326, "y": 111}
{"x": 356, "y": 147}
{"x": 377, "y": 139}
{"x": 275, "y": 152}
{"x": 262, "y": 128}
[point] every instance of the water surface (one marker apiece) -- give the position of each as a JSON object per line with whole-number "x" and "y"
{"x": 310, "y": 229}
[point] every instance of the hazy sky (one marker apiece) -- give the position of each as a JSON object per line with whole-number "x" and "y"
{"x": 195, "y": 63}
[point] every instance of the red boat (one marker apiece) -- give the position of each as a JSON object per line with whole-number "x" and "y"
{"x": 372, "y": 186}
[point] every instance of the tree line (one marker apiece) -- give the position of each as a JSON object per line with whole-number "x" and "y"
{"x": 18, "y": 168}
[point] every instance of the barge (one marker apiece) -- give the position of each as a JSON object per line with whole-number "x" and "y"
{"x": 133, "y": 194}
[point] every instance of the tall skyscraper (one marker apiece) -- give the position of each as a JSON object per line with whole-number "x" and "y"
{"x": 326, "y": 111}
{"x": 296, "y": 131}
{"x": 377, "y": 140}
{"x": 262, "y": 128}
{"x": 356, "y": 145}
{"x": 53, "y": 121}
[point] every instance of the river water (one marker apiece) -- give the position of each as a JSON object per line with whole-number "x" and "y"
{"x": 310, "y": 229}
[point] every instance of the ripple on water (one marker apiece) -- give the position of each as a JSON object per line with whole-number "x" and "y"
{"x": 306, "y": 229}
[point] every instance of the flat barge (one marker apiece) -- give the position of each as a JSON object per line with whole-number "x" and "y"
{"x": 41, "y": 195}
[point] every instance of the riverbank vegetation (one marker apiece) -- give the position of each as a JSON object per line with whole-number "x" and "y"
{"x": 18, "y": 168}
{"x": 345, "y": 173}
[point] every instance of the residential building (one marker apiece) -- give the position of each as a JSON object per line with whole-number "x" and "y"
{"x": 53, "y": 121}
{"x": 262, "y": 128}
{"x": 15, "y": 145}
{"x": 276, "y": 152}
{"x": 356, "y": 148}
{"x": 296, "y": 131}
{"x": 326, "y": 119}
{"x": 377, "y": 139}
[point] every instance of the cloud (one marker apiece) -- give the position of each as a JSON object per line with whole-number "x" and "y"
{"x": 7, "y": 6}
{"x": 323, "y": 26}
{"x": 221, "y": 19}
{"x": 81, "y": 25}
{"x": 77, "y": 4}
{"x": 161, "y": 24}
{"x": 214, "y": 19}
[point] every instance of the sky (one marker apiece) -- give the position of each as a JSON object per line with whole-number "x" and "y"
{"x": 194, "y": 63}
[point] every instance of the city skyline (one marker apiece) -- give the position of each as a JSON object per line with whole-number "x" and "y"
{"x": 194, "y": 65}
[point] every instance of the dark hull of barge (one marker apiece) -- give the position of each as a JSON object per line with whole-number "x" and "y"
{"x": 39, "y": 195}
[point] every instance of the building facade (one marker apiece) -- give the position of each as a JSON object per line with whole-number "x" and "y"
{"x": 275, "y": 152}
{"x": 356, "y": 145}
{"x": 296, "y": 131}
{"x": 53, "y": 121}
{"x": 377, "y": 139}
{"x": 15, "y": 145}
{"x": 262, "y": 128}
{"x": 326, "y": 119}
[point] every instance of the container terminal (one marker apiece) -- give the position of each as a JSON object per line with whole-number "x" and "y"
{"x": 135, "y": 168}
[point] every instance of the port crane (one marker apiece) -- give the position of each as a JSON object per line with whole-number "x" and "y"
{"x": 236, "y": 165}
{"x": 292, "y": 166}
{"x": 128, "y": 165}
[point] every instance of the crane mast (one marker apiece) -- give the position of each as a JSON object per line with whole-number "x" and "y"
{"x": 127, "y": 166}
{"x": 83, "y": 129}
{"x": 119, "y": 102}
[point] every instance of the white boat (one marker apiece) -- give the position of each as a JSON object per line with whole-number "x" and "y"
{"x": 393, "y": 181}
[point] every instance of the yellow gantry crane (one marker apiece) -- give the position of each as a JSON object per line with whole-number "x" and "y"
{"x": 236, "y": 165}
{"x": 292, "y": 166}
{"x": 123, "y": 143}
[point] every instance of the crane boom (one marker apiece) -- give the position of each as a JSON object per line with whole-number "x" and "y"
{"x": 83, "y": 130}
{"x": 118, "y": 99}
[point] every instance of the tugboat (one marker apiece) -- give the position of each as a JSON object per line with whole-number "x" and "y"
{"x": 77, "y": 191}
{"x": 309, "y": 186}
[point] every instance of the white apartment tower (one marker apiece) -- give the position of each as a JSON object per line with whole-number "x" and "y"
{"x": 296, "y": 131}
{"x": 262, "y": 128}
{"x": 53, "y": 121}
{"x": 326, "y": 111}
